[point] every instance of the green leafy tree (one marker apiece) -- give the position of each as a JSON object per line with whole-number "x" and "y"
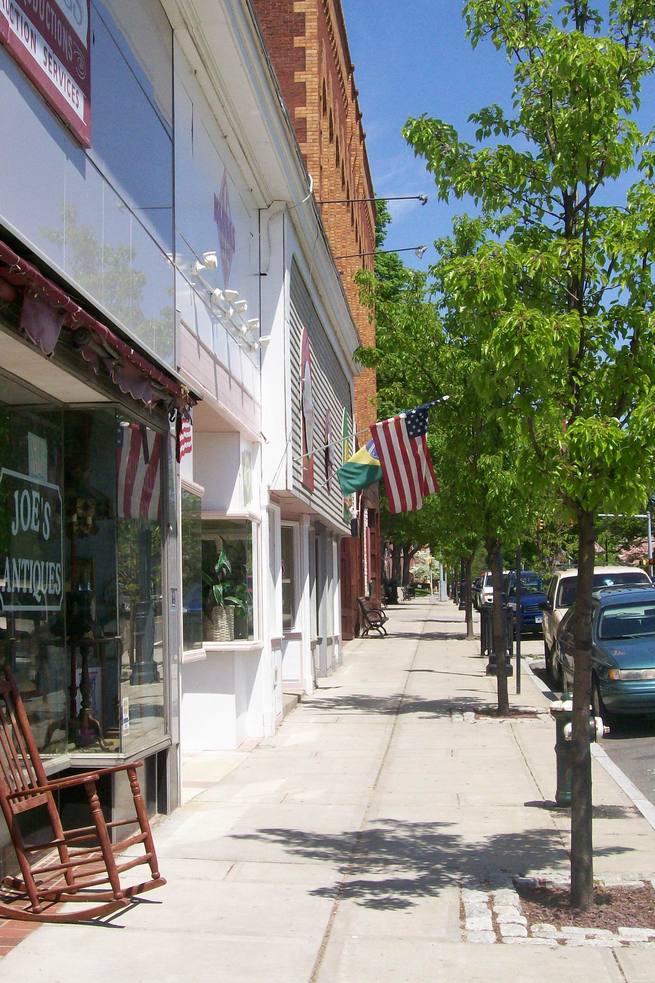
{"x": 425, "y": 349}
{"x": 562, "y": 279}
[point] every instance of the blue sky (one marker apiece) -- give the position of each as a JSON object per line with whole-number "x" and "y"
{"x": 411, "y": 59}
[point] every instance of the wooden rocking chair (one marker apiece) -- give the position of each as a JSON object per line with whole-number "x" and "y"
{"x": 57, "y": 872}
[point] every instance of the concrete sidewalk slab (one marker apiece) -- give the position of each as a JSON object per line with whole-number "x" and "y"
{"x": 340, "y": 848}
{"x": 399, "y": 960}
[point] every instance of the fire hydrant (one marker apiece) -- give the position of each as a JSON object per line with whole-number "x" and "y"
{"x": 562, "y": 712}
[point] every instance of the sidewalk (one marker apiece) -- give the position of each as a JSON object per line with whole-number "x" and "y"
{"x": 347, "y": 847}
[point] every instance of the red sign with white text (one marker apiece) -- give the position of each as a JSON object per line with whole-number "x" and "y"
{"x": 50, "y": 40}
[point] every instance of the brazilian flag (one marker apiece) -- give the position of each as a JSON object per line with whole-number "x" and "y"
{"x": 361, "y": 470}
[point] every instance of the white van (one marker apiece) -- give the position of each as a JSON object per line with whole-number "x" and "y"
{"x": 561, "y": 595}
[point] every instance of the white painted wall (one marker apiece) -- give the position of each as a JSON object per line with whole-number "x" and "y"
{"x": 307, "y": 666}
{"x": 216, "y": 466}
{"x": 222, "y": 701}
{"x": 276, "y": 399}
{"x": 228, "y": 467}
{"x": 206, "y": 170}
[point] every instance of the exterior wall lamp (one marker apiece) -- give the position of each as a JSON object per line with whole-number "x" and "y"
{"x": 209, "y": 261}
{"x": 418, "y": 251}
{"x": 346, "y": 201}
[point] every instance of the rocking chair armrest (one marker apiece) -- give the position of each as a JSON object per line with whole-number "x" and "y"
{"x": 56, "y": 784}
{"x": 86, "y": 776}
{"x": 124, "y": 766}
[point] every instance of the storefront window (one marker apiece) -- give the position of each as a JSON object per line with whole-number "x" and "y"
{"x": 93, "y": 643}
{"x": 113, "y": 509}
{"x": 32, "y": 607}
{"x": 191, "y": 571}
{"x": 227, "y": 574}
{"x": 81, "y": 621}
{"x": 140, "y": 607}
{"x": 289, "y": 602}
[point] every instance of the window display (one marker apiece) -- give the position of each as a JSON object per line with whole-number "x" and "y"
{"x": 32, "y": 606}
{"x": 81, "y": 621}
{"x": 191, "y": 571}
{"x": 227, "y": 575}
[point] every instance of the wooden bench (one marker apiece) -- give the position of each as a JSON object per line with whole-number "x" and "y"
{"x": 373, "y": 617}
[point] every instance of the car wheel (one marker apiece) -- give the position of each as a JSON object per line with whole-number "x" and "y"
{"x": 557, "y": 674}
{"x": 597, "y": 706}
{"x": 548, "y": 655}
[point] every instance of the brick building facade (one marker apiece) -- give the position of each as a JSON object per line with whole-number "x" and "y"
{"x": 308, "y": 46}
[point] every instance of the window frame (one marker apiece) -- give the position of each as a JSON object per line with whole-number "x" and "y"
{"x": 189, "y": 655}
{"x": 295, "y": 533}
{"x": 211, "y": 515}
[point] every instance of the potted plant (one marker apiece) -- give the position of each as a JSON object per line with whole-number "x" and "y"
{"x": 222, "y": 600}
{"x": 241, "y": 604}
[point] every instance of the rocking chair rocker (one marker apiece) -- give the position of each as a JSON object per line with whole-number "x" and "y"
{"x": 73, "y": 874}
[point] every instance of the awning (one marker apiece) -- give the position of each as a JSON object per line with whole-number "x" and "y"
{"x": 46, "y": 308}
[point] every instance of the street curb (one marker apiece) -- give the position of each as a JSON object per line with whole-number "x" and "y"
{"x": 639, "y": 801}
{"x": 646, "y": 808}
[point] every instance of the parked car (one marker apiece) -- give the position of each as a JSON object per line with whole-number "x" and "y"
{"x": 531, "y": 597}
{"x": 623, "y": 650}
{"x": 485, "y": 595}
{"x": 561, "y": 595}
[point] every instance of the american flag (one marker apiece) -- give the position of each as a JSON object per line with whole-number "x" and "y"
{"x": 185, "y": 438}
{"x": 138, "y": 460}
{"x": 402, "y": 448}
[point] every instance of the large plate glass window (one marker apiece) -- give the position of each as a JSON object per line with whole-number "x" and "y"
{"x": 289, "y": 580}
{"x": 140, "y": 590}
{"x": 32, "y": 589}
{"x": 227, "y": 573}
{"x": 191, "y": 571}
{"x": 81, "y": 623}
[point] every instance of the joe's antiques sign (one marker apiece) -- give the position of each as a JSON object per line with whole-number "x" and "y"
{"x": 31, "y": 544}
{"x": 50, "y": 40}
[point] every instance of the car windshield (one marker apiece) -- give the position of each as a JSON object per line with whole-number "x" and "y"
{"x": 529, "y": 585}
{"x": 627, "y": 621}
{"x": 629, "y": 578}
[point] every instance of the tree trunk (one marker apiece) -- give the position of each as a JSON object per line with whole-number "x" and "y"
{"x": 407, "y": 556}
{"x": 468, "y": 597}
{"x": 498, "y": 623}
{"x": 582, "y": 860}
{"x": 395, "y": 564}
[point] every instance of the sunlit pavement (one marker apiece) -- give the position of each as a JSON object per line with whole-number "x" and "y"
{"x": 338, "y": 850}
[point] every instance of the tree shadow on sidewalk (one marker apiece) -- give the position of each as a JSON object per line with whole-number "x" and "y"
{"x": 598, "y": 811}
{"x": 447, "y": 672}
{"x": 396, "y": 704}
{"x": 394, "y": 863}
{"x": 445, "y": 621}
{"x": 429, "y": 636}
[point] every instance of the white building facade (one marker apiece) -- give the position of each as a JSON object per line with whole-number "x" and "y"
{"x": 90, "y": 598}
{"x": 176, "y": 388}
{"x": 265, "y": 338}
